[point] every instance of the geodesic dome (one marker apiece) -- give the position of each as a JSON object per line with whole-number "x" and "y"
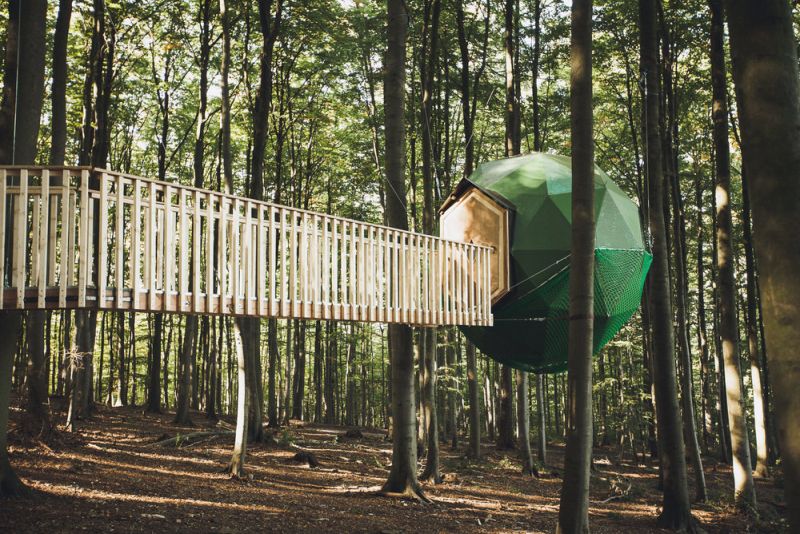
{"x": 531, "y": 313}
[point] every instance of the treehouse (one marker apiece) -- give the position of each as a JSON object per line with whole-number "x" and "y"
{"x": 521, "y": 208}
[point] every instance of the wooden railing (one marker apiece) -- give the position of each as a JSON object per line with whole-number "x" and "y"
{"x": 76, "y": 237}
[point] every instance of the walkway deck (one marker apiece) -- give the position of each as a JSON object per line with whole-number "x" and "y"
{"x": 77, "y": 237}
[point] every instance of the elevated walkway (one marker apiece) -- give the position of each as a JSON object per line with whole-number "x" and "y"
{"x": 78, "y": 237}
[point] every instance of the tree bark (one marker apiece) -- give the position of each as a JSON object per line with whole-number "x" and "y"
{"x": 473, "y": 387}
{"x": 523, "y": 423}
{"x": 765, "y": 73}
{"x": 676, "y": 512}
{"x": 541, "y": 441}
{"x": 573, "y": 513}
{"x": 403, "y": 474}
{"x": 20, "y": 113}
{"x": 744, "y": 490}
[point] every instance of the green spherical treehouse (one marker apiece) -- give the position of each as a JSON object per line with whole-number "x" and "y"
{"x": 521, "y": 206}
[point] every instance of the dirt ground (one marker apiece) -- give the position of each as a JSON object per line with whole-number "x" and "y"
{"x": 112, "y": 477}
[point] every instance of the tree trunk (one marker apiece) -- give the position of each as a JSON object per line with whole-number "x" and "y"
{"x": 20, "y": 113}
{"x": 154, "y": 372}
{"x": 676, "y": 512}
{"x": 505, "y": 419}
{"x": 744, "y": 490}
{"x": 473, "y": 386}
{"x": 573, "y": 513}
{"x": 523, "y": 423}
{"x": 541, "y": 442}
{"x": 765, "y": 73}
{"x": 236, "y": 467}
{"x": 402, "y": 477}
{"x": 430, "y": 414}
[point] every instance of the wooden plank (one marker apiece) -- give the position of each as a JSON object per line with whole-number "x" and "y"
{"x": 72, "y": 249}
{"x": 293, "y": 277}
{"x": 272, "y": 242}
{"x": 44, "y": 235}
{"x": 426, "y": 302}
{"x": 66, "y": 245}
{"x": 316, "y": 287}
{"x": 32, "y": 247}
{"x": 3, "y": 184}
{"x": 119, "y": 254}
{"x": 373, "y": 271}
{"x": 263, "y": 228}
{"x": 168, "y": 229}
{"x": 236, "y": 251}
{"x": 385, "y": 269}
{"x": 396, "y": 305}
{"x": 326, "y": 269}
{"x": 102, "y": 243}
{"x": 197, "y": 233}
{"x": 335, "y": 301}
{"x": 136, "y": 242}
{"x": 353, "y": 272}
{"x": 52, "y": 237}
{"x": 151, "y": 249}
{"x": 83, "y": 238}
{"x": 302, "y": 255}
{"x": 20, "y": 238}
{"x": 210, "y": 299}
{"x": 222, "y": 264}
{"x": 284, "y": 261}
{"x": 247, "y": 250}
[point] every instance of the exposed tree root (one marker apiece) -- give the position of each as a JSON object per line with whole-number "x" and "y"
{"x": 183, "y": 440}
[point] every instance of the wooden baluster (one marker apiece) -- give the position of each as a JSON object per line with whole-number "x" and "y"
{"x": 52, "y": 237}
{"x": 303, "y": 264}
{"x": 263, "y": 228}
{"x": 44, "y": 234}
{"x": 316, "y": 277}
{"x": 353, "y": 279}
{"x": 373, "y": 270}
{"x": 326, "y": 269}
{"x": 150, "y": 235}
{"x": 211, "y": 304}
{"x": 284, "y": 261}
{"x": 83, "y": 240}
{"x": 335, "y": 259}
{"x": 3, "y": 186}
{"x": 66, "y": 245}
{"x": 119, "y": 255}
{"x": 236, "y": 253}
{"x": 222, "y": 264}
{"x": 293, "y": 275}
{"x": 20, "y": 239}
{"x": 248, "y": 259}
{"x": 168, "y": 230}
{"x": 197, "y": 233}
{"x": 272, "y": 242}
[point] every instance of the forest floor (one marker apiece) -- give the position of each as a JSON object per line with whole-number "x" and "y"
{"x": 113, "y": 477}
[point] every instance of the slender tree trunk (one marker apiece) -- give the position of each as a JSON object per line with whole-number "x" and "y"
{"x": 154, "y": 373}
{"x": 760, "y": 407}
{"x": 239, "y": 455}
{"x": 744, "y": 490}
{"x": 676, "y": 512}
{"x": 765, "y": 73}
{"x": 430, "y": 414}
{"x": 684, "y": 351}
{"x": 473, "y": 386}
{"x": 523, "y": 423}
{"x": 541, "y": 442}
{"x": 573, "y": 514}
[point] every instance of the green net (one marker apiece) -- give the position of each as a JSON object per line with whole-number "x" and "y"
{"x": 531, "y": 323}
